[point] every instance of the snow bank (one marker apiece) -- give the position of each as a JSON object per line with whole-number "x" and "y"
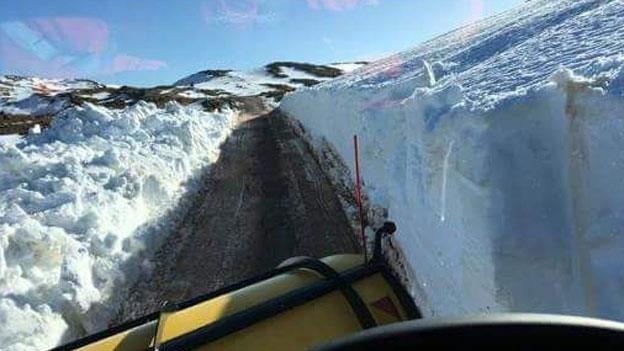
{"x": 502, "y": 169}
{"x": 75, "y": 205}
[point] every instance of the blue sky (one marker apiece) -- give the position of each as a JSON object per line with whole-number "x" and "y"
{"x": 151, "y": 42}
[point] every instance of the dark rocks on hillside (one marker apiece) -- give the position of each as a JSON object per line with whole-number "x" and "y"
{"x": 215, "y": 73}
{"x": 315, "y": 70}
{"x": 306, "y": 82}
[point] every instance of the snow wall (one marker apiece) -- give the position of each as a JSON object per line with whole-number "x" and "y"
{"x": 80, "y": 206}
{"x": 518, "y": 208}
{"x": 497, "y": 150}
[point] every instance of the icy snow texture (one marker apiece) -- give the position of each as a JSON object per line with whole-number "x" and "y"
{"x": 502, "y": 168}
{"x": 75, "y": 202}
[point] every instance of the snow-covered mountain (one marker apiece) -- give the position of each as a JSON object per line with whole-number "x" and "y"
{"x": 497, "y": 150}
{"x": 267, "y": 80}
{"x": 37, "y": 96}
{"x": 25, "y": 101}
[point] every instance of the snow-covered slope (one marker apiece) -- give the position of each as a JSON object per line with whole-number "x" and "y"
{"x": 287, "y": 75}
{"x": 38, "y": 97}
{"x": 35, "y": 96}
{"x": 32, "y": 97}
{"x": 15, "y": 88}
{"x": 79, "y": 204}
{"x": 497, "y": 150}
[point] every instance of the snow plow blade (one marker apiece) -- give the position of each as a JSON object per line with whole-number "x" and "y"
{"x": 293, "y": 307}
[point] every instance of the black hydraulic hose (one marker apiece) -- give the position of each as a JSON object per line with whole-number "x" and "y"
{"x": 354, "y": 299}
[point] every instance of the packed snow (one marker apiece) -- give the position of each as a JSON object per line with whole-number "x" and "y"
{"x": 496, "y": 149}
{"x": 80, "y": 204}
{"x": 10, "y": 139}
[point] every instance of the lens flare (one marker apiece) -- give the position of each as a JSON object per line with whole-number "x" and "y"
{"x": 339, "y": 5}
{"x": 476, "y": 10}
{"x": 123, "y": 63}
{"x": 236, "y": 12}
{"x": 65, "y": 47}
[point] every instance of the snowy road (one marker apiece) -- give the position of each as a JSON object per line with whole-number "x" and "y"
{"x": 265, "y": 200}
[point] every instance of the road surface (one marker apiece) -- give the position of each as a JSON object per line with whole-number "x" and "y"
{"x": 265, "y": 200}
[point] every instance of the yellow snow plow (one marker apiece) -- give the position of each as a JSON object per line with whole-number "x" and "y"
{"x": 301, "y": 303}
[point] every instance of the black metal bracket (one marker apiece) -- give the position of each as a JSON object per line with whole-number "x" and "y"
{"x": 388, "y": 228}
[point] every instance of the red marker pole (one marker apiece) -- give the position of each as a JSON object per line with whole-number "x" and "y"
{"x": 358, "y": 195}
